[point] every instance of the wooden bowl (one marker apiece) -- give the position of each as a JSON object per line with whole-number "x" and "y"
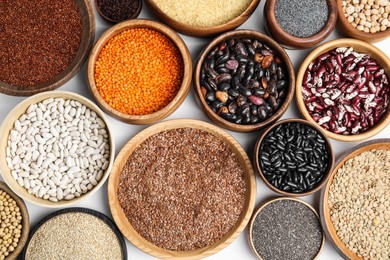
{"x": 359, "y": 46}
{"x": 353, "y": 32}
{"x": 202, "y": 31}
{"x": 25, "y": 220}
{"x": 108, "y": 19}
{"x": 127, "y": 229}
{"x": 326, "y": 220}
{"x": 258, "y": 210}
{"x": 8, "y": 124}
{"x": 289, "y": 71}
{"x": 181, "y": 94}
{"x": 256, "y": 161}
{"x": 87, "y": 38}
{"x": 287, "y": 40}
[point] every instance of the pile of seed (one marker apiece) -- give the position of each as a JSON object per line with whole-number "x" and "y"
{"x": 58, "y": 149}
{"x": 301, "y": 18}
{"x": 74, "y": 235}
{"x": 194, "y": 185}
{"x": 139, "y": 71}
{"x": 287, "y": 229}
{"x": 203, "y": 13}
{"x": 118, "y": 10}
{"x": 293, "y": 157}
{"x": 243, "y": 81}
{"x": 346, "y": 92}
{"x": 39, "y": 39}
{"x": 370, "y": 16}
{"x": 359, "y": 202}
{"x": 10, "y": 224}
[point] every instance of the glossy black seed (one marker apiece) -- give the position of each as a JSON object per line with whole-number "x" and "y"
{"x": 223, "y": 86}
{"x": 258, "y": 92}
{"x": 210, "y": 96}
{"x": 233, "y": 92}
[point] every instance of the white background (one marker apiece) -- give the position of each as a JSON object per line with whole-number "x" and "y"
{"x": 190, "y": 109}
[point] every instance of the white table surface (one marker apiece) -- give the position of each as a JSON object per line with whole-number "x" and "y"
{"x": 239, "y": 249}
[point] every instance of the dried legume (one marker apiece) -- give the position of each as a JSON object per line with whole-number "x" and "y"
{"x": 301, "y": 18}
{"x": 10, "y": 224}
{"x": 293, "y": 157}
{"x": 346, "y": 92}
{"x": 203, "y": 13}
{"x": 287, "y": 229}
{"x": 139, "y": 71}
{"x": 38, "y": 40}
{"x": 359, "y": 203}
{"x": 195, "y": 189}
{"x": 118, "y": 10}
{"x": 243, "y": 81}
{"x": 58, "y": 149}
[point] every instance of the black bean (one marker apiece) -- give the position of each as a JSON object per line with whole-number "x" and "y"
{"x": 210, "y": 72}
{"x": 210, "y": 96}
{"x": 233, "y": 92}
{"x": 216, "y": 104}
{"x": 262, "y": 112}
{"x": 240, "y": 49}
{"x": 281, "y": 84}
{"x": 223, "y": 86}
{"x": 222, "y": 70}
{"x": 241, "y": 100}
{"x": 243, "y": 90}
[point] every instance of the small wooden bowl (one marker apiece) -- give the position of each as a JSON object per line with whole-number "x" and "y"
{"x": 330, "y": 231}
{"x": 87, "y": 38}
{"x": 125, "y": 226}
{"x": 8, "y": 124}
{"x": 285, "y": 60}
{"x": 258, "y": 210}
{"x": 181, "y": 94}
{"x": 202, "y": 31}
{"x": 353, "y": 32}
{"x": 256, "y": 161}
{"x": 359, "y": 46}
{"x": 287, "y": 40}
{"x": 94, "y": 213}
{"x": 25, "y": 220}
{"x": 108, "y": 19}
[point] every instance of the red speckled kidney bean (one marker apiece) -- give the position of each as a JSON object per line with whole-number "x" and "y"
{"x": 346, "y": 92}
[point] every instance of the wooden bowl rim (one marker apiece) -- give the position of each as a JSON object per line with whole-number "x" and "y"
{"x": 354, "y": 31}
{"x": 203, "y": 31}
{"x": 25, "y": 220}
{"x": 5, "y": 171}
{"x": 148, "y": 247}
{"x": 324, "y": 209}
{"x": 275, "y": 27}
{"x": 382, "y": 60}
{"x": 108, "y": 19}
{"x": 187, "y": 70}
{"x": 328, "y": 145}
{"x": 106, "y": 220}
{"x": 75, "y": 65}
{"x": 270, "y": 201}
{"x": 277, "y": 49}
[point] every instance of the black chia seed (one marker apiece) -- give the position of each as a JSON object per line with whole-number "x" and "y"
{"x": 301, "y": 18}
{"x": 287, "y": 229}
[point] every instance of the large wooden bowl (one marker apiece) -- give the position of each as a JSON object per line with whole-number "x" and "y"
{"x": 202, "y": 31}
{"x": 342, "y": 249}
{"x": 132, "y": 235}
{"x": 8, "y": 124}
{"x": 289, "y": 72}
{"x": 25, "y": 220}
{"x": 350, "y": 31}
{"x": 359, "y": 46}
{"x": 293, "y": 42}
{"x": 176, "y": 101}
{"x": 87, "y": 38}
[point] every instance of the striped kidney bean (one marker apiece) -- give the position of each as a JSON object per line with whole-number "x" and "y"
{"x": 345, "y": 91}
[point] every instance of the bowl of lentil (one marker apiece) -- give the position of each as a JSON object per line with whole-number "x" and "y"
{"x": 299, "y": 24}
{"x": 355, "y": 202}
{"x": 14, "y": 225}
{"x": 115, "y": 11}
{"x": 343, "y": 86}
{"x": 366, "y": 20}
{"x": 206, "y": 177}
{"x": 56, "y": 149}
{"x": 244, "y": 80}
{"x": 202, "y": 18}
{"x": 286, "y": 228}
{"x": 293, "y": 157}
{"x": 139, "y": 71}
{"x": 42, "y": 49}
